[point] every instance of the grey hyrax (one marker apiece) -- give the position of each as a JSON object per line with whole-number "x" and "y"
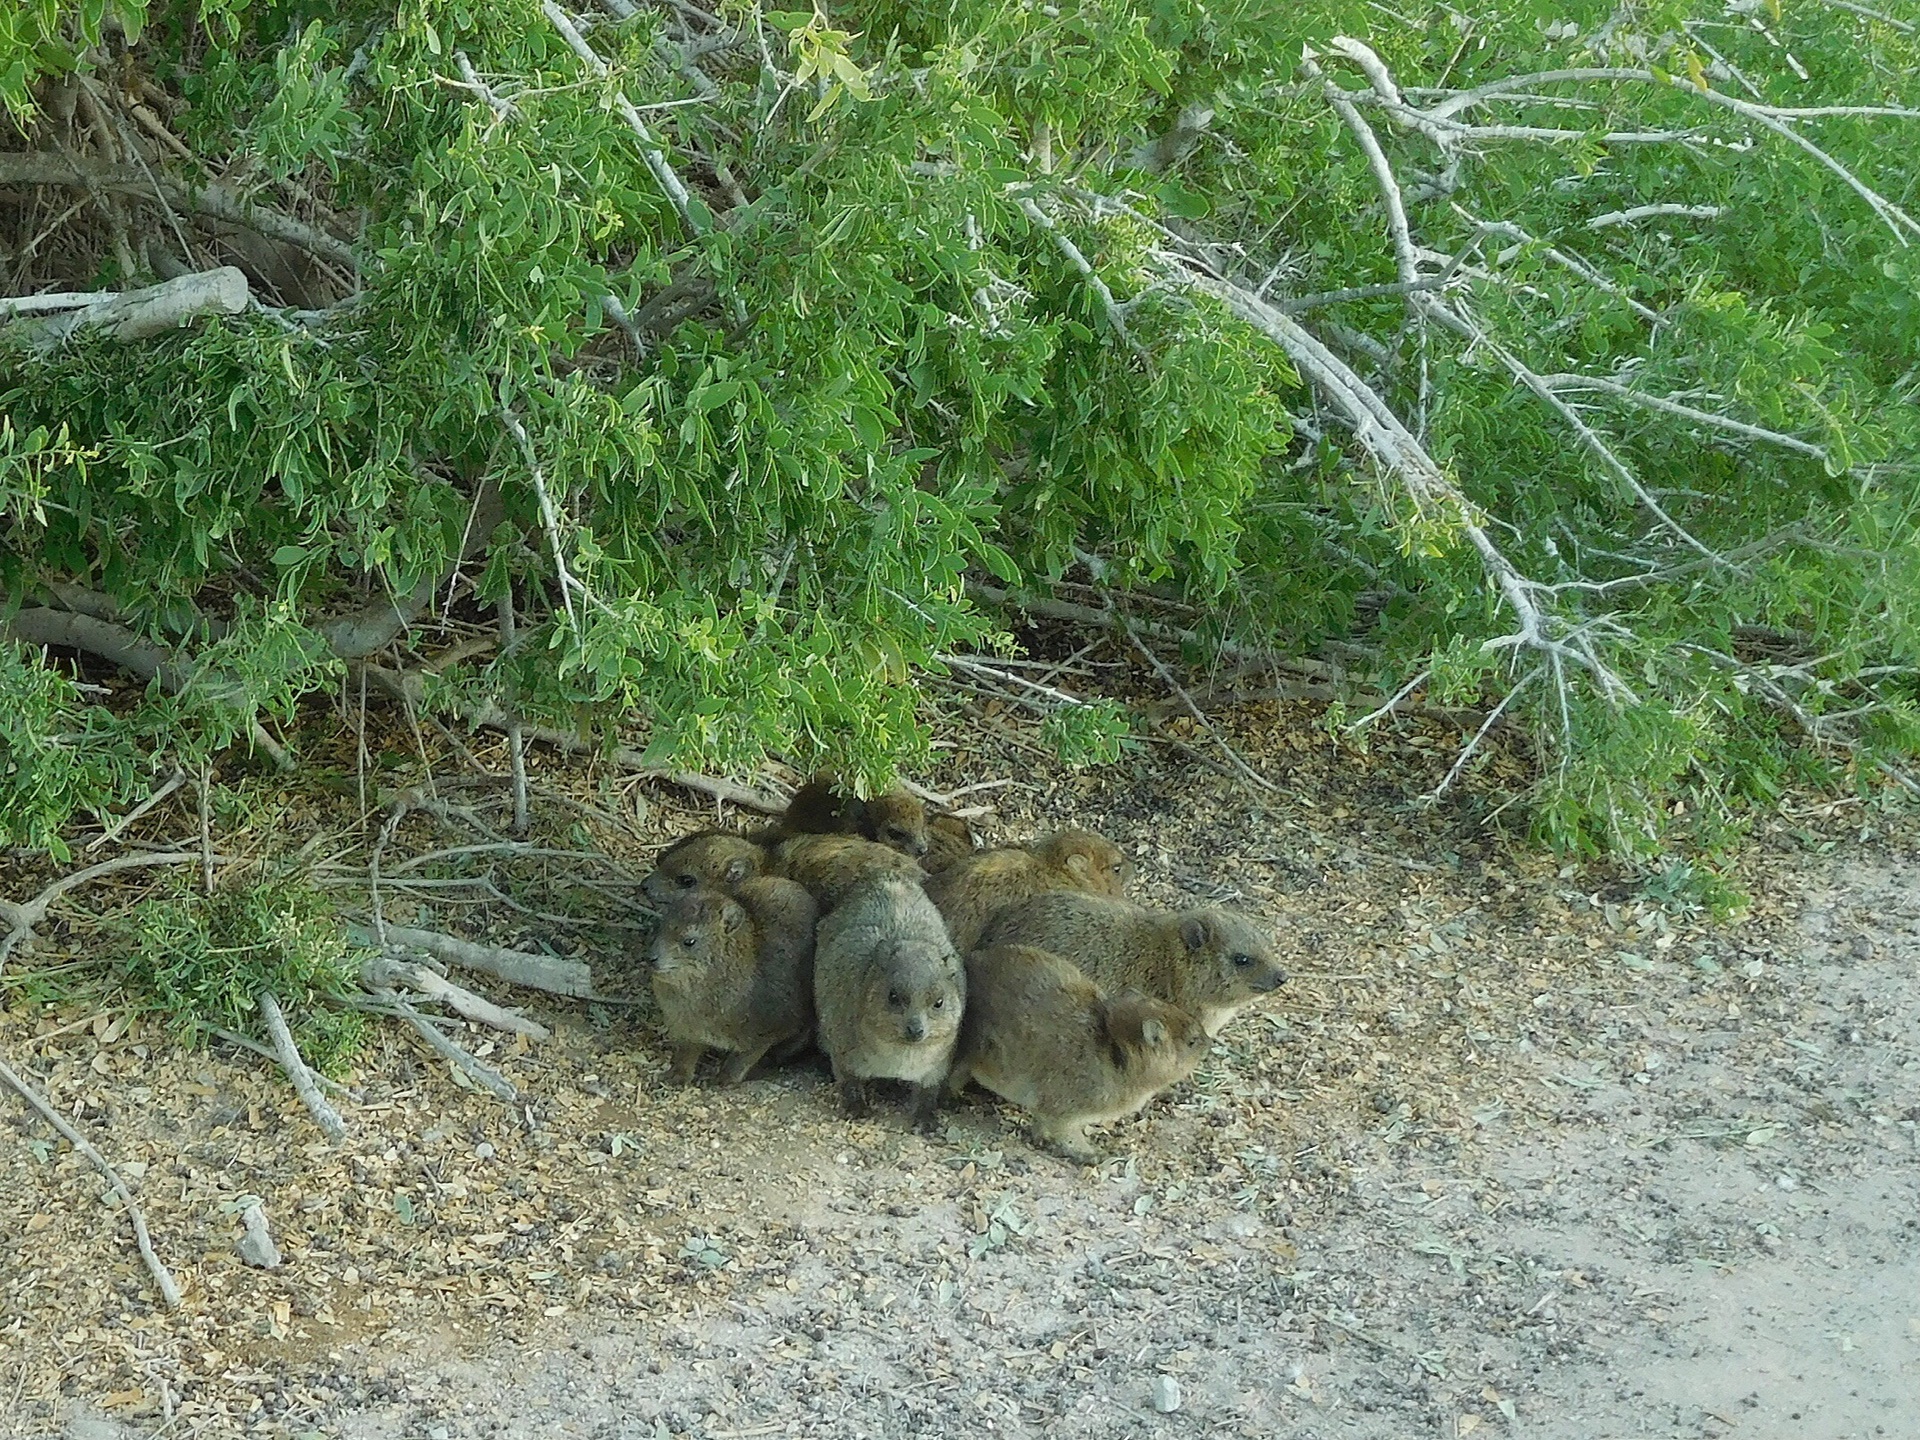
{"x": 1209, "y": 962}
{"x": 831, "y": 865}
{"x": 719, "y": 859}
{"x": 734, "y": 972}
{"x": 1039, "y": 1033}
{"x": 822, "y": 807}
{"x": 889, "y": 989}
{"x": 976, "y": 889}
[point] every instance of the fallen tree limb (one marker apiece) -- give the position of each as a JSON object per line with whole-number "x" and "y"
{"x": 162, "y": 1277}
{"x": 382, "y": 974}
{"x": 516, "y": 967}
{"x": 142, "y": 314}
{"x": 288, "y": 1054}
{"x": 388, "y": 1003}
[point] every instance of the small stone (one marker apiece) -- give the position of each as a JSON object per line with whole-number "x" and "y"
{"x": 1786, "y": 1182}
{"x": 438, "y": 1432}
{"x": 1166, "y": 1394}
{"x": 256, "y": 1247}
{"x": 483, "y": 1151}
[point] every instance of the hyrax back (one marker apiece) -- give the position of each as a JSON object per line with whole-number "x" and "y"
{"x": 822, "y": 807}
{"x": 972, "y": 892}
{"x": 831, "y": 865}
{"x": 1038, "y": 1032}
{"x": 949, "y": 841}
{"x": 734, "y": 972}
{"x": 889, "y": 989}
{"x": 716, "y": 859}
{"x": 1209, "y": 962}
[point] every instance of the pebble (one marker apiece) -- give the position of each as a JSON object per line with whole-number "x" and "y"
{"x": 438, "y": 1432}
{"x": 1787, "y": 1182}
{"x": 483, "y": 1151}
{"x": 1166, "y": 1394}
{"x": 256, "y": 1247}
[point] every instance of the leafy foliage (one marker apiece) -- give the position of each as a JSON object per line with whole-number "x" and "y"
{"x": 916, "y": 314}
{"x": 202, "y": 962}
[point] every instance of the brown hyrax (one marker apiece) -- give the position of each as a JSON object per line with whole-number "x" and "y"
{"x": 822, "y": 807}
{"x": 949, "y": 841}
{"x": 831, "y": 865}
{"x": 735, "y": 973}
{"x": 1041, "y": 1034}
{"x": 889, "y": 989}
{"x": 974, "y": 891}
{"x": 1209, "y": 962}
{"x": 719, "y": 859}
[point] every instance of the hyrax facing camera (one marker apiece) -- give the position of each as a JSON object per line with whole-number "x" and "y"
{"x": 734, "y": 972}
{"x": 889, "y": 989}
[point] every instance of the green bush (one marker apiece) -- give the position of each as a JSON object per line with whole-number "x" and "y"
{"x": 927, "y": 309}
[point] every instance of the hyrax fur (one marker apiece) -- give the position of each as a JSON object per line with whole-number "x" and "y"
{"x": 1038, "y": 1032}
{"x": 972, "y": 892}
{"x": 716, "y": 859}
{"x": 735, "y": 972}
{"x": 949, "y": 841}
{"x": 821, "y": 807}
{"x": 1209, "y": 962}
{"x": 889, "y": 989}
{"x": 831, "y": 865}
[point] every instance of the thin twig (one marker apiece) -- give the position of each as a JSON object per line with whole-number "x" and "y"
{"x": 21, "y": 917}
{"x": 516, "y": 742}
{"x": 288, "y": 1054}
{"x": 162, "y": 1277}
{"x": 173, "y": 783}
{"x": 482, "y": 1074}
{"x": 1200, "y": 715}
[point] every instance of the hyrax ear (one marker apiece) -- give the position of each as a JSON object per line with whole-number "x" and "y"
{"x": 739, "y": 868}
{"x": 1196, "y": 931}
{"x": 1080, "y": 865}
{"x": 732, "y": 917}
{"x": 1153, "y": 1032}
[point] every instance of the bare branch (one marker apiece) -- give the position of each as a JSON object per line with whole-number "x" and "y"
{"x": 1651, "y": 212}
{"x": 288, "y": 1054}
{"x": 23, "y": 916}
{"x": 162, "y": 1277}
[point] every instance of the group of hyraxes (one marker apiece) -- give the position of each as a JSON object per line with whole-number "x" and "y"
{"x": 844, "y": 923}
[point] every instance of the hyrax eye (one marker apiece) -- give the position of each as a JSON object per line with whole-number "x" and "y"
{"x": 689, "y": 941}
{"x": 1241, "y": 962}
{"x": 687, "y": 881}
{"x": 896, "y": 999}
{"x": 941, "y": 1003}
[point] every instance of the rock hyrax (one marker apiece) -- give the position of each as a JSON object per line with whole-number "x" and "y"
{"x": 949, "y": 841}
{"x": 822, "y": 807}
{"x": 1039, "y": 1033}
{"x": 735, "y": 973}
{"x": 1209, "y": 962}
{"x": 831, "y": 865}
{"x": 719, "y": 859}
{"x": 889, "y": 988}
{"x": 972, "y": 892}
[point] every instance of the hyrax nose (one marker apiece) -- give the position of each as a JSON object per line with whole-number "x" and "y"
{"x": 917, "y": 1028}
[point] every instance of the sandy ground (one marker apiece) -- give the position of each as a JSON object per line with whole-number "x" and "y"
{"x": 1518, "y": 1152}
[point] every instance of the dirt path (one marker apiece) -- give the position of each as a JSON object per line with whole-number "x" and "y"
{"x": 1508, "y": 1158}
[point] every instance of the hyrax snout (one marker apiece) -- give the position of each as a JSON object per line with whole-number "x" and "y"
{"x": 1209, "y": 962}
{"x": 1041, "y": 1034}
{"x": 734, "y": 972}
{"x": 889, "y": 990}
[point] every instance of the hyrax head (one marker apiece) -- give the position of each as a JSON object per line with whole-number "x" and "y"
{"x": 899, "y": 822}
{"x": 1096, "y": 863}
{"x": 1151, "y": 1035}
{"x": 917, "y": 999}
{"x": 696, "y": 930}
{"x": 712, "y": 859}
{"x": 1230, "y": 952}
